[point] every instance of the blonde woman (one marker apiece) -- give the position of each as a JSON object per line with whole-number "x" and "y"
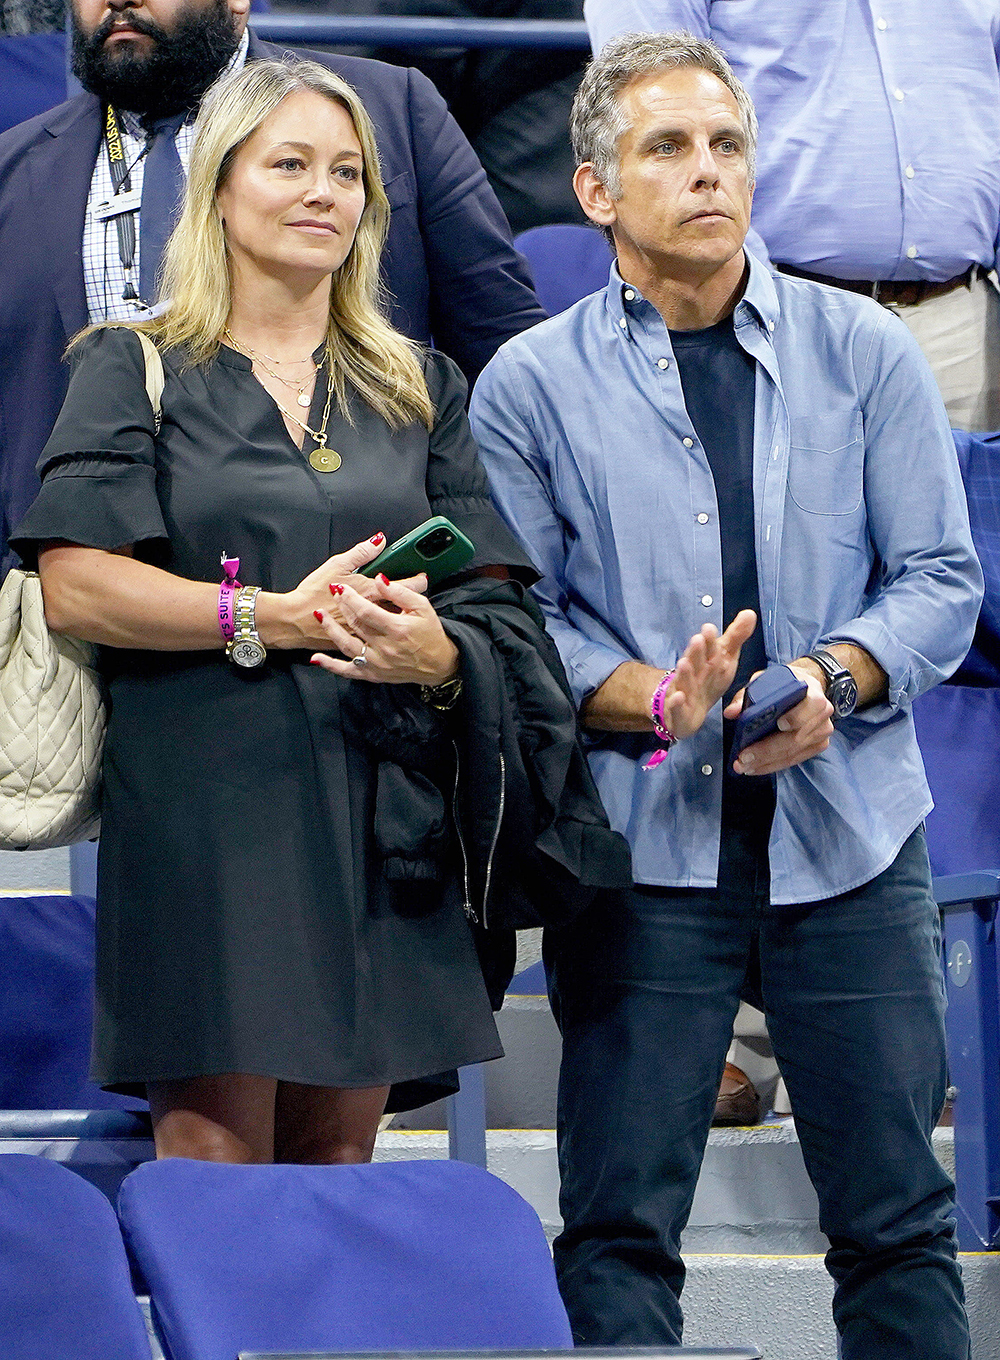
{"x": 282, "y": 890}
{"x": 255, "y": 973}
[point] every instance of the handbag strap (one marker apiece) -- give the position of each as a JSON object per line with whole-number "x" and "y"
{"x": 154, "y": 375}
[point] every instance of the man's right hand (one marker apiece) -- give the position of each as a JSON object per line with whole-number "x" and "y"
{"x": 702, "y": 676}
{"x": 704, "y": 673}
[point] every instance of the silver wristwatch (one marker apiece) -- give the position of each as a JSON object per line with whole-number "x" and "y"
{"x": 245, "y": 647}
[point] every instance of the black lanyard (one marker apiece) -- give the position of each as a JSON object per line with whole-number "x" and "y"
{"x": 124, "y": 221}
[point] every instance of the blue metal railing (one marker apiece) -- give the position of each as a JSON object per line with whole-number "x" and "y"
{"x": 380, "y": 30}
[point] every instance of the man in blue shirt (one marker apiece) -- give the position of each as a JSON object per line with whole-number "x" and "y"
{"x": 880, "y": 164}
{"x": 700, "y": 440}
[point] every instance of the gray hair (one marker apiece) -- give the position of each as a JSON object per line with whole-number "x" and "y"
{"x": 598, "y": 120}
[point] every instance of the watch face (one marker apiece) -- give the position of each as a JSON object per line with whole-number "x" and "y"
{"x": 843, "y": 696}
{"x": 246, "y": 652}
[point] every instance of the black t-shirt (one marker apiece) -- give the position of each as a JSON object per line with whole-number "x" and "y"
{"x": 718, "y": 378}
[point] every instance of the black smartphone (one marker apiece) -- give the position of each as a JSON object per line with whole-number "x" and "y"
{"x": 435, "y": 547}
{"x": 766, "y": 697}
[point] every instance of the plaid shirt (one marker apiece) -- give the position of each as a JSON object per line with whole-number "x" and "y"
{"x": 103, "y": 274}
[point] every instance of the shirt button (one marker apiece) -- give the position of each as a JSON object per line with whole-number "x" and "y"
{"x": 706, "y": 600}
{"x": 663, "y": 363}
{"x": 770, "y": 325}
{"x": 624, "y": 324}
{"x": 706, "y": 769}
{"x": 898, "y": 94}
{"x": 629, "y": 295}
{"x": 909, "y": 172}
{"x": 703, "y": 518}
{"x": 881, "y": 25}
{"x": 688, "y": 443}
{"x": 911, "y": 252}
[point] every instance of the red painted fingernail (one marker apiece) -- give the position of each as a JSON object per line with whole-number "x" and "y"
{"x": 378, "y": 537}
{"x": 336, "y": 590}
{"x": 318, "y": 615}
{"x": 383, "y": 578}
{"x": 315, "y": 661}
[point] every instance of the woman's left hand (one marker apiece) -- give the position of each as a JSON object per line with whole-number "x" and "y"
{"x": 405, "y": 648}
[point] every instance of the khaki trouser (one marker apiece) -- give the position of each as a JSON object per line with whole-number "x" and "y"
{"x": 959, "y": 334}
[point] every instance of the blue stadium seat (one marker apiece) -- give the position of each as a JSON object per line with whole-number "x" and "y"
{"x": 410, "y": 1256}
{"x": 958, "y": 728}
{"x": 46, "y": 1006}
{"x": 568, "y": 262}
{"x": 65, "y": 1289}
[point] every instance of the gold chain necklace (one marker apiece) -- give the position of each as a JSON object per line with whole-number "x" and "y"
{"x": 322, "y": 459}
{"x": 303, "y": 398}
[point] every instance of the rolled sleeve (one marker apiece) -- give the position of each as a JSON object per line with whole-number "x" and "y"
{"x": 588, "y": 664}
{"x": 98, "y": 468}
{"x": 925, "y": 603}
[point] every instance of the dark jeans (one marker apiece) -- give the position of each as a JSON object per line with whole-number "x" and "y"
{"x": 645, "y": 988}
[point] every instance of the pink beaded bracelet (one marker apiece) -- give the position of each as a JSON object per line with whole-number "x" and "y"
{"x": 663, "y": 732}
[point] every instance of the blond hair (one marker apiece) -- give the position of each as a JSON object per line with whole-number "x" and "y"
{"x": 363, "y": 349}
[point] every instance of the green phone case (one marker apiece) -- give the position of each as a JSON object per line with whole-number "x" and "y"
{"x": 435, "y": 547}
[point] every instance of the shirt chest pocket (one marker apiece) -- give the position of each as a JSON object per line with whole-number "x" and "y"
{"x": 826, "y": 462}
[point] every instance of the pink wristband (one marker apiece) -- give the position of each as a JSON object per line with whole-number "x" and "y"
{"x": 227, "y": 596}
{"x": 663, "y": 732}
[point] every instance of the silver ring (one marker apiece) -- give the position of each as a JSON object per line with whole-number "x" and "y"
{"x": 361, "y": 659}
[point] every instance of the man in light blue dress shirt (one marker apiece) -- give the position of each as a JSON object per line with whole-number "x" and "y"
{"x": 702, "y": 439}
{"x": 880, "y": 157}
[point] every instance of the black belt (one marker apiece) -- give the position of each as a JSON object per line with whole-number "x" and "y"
{"x": 904, "y": 292}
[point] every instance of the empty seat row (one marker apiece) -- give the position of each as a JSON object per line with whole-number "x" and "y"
{"x": 255, "y": 1260}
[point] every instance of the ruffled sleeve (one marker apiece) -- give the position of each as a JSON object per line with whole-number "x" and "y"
{"x": 456, "y": 480}
{"x": 98, "y": 468}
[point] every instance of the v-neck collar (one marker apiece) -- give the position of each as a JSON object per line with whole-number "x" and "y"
{"x": 234, "y": 358}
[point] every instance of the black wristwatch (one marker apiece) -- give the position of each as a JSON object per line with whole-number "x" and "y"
{"x": 841, "y": 687}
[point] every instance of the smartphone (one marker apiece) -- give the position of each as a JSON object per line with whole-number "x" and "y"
{"x": 766, "y": 697}
{"x": 435, "y": 547}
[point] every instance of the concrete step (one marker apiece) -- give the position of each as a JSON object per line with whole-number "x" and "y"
{"x": 753, "y": 1195}
{"x": 753, "y": 1247}
{"x": 520, "y": 1086}
{"x": 782, "y": 1304}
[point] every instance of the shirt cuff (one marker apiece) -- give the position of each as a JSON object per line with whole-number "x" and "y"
{"x": 892, "y": 656}
{"x": 588, "y": 666}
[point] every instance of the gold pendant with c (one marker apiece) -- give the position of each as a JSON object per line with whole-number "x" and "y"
{"x": 325, "y": 460}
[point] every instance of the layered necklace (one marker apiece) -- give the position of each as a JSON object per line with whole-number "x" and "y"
{"x": 303, "y": 398}
{"x": 322, "y": 458}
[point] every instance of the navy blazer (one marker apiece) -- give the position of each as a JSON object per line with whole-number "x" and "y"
{"x": 451, "y": 269}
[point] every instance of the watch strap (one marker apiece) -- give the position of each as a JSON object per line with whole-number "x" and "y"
{"x": 841, "y": 688}
{"x": 245, "y": 647}
{"x": 829, "y": 665}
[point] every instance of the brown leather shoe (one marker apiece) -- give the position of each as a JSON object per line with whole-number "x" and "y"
{"x": 738, "y": 1102}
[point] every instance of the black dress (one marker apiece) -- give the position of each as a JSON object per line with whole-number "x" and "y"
{"x": 243, "y": 925}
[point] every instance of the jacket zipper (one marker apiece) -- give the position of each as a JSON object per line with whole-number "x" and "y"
{"x": 467, "y": 903}
{"x": 496, "y": 834}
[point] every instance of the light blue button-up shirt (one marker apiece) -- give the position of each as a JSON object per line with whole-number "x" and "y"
{"x": 862, "y": 535}
{"x": 879, "y": 153}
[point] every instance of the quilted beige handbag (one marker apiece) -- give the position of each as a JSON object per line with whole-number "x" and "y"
{"x": 52, "y": 716}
